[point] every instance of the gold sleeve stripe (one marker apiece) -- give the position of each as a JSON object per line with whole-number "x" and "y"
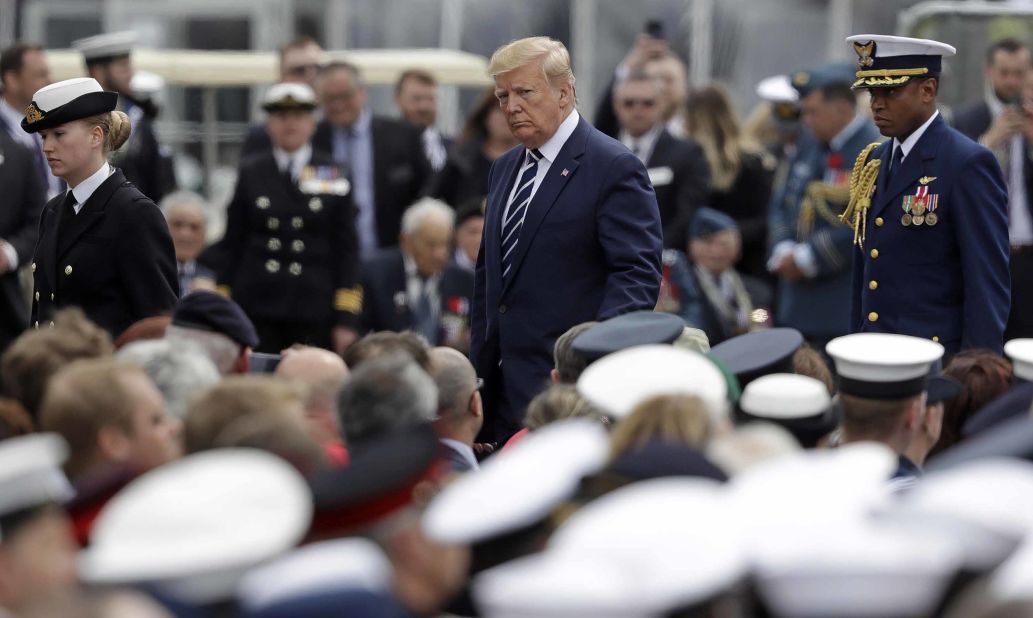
{"x": 348, "y": 299}
{"x": 224, "y": 290}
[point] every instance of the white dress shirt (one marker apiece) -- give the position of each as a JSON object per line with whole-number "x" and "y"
{"x": 912, "y": 139}
{"x": 1020, "y": 227}
{"x": 85, "y": 189}
{"x": 643, "y": 145}
{"x": 295, "y": 160}
{"x": 550, "y": 150}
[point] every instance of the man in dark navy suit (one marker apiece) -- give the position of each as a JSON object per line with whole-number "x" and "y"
{"x": 24, "y": 196}
{"x": 1003, "y": 122}
{"x": 414, "y": 286}
{"x": 931, "y": 228}
{"x": 572, "y": 232}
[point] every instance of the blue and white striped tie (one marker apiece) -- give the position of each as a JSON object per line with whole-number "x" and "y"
{"x": 517, "y": 210}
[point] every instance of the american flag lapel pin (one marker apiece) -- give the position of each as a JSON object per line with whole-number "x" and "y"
{"x": 565, "y": 172}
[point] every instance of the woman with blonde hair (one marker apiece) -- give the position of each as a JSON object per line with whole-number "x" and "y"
{"x": 740, "y": 172}
{"x": 103, "y": 245}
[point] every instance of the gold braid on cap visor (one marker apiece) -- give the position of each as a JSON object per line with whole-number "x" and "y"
{"x": 887, "y": 77}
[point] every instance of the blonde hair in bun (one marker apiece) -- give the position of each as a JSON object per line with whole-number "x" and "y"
{"x": 116, "y": 126}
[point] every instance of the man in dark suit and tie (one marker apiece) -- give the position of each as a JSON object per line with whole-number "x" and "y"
{"x": 677, "y": 167}
{"x": 415, "y": 286}
{"x": 416, "y": 96}
{"x": 24, "y": 70}
{"x": 1003, "y": 122}
{"x": 572, "y": 232}
{"x": 389, "y": 169}
{"x": 24, "y": 197}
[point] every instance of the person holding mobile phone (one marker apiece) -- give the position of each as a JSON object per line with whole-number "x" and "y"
{"x": 1002, "y": 122}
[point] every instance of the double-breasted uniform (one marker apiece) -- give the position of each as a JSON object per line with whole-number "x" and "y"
{"x": 290, "y": 253}
{"x": 114, "y": 259}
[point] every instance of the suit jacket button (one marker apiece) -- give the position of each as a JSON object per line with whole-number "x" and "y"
{"x": 873, "y": 317}
{"x": 873, "y": 285}
{"x": 37, "y": 297}
{"x": 34, "y": 267}
{"x": 878, "y": 221}
{"x": 502, "y": 308}
{"x": 68, "y": 269}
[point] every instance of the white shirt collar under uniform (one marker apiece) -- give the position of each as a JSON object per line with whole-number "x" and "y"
{"x": 912, "y": 139}
{"x": 86, "y": 188}
{"x": 297, "y": 159}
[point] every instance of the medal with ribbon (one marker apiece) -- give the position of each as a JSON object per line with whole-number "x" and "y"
{"x": 920, "y": 208}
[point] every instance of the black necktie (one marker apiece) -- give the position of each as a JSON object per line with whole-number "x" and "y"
{"x": 69, "y": 204}
{"x": 895, "y": 162}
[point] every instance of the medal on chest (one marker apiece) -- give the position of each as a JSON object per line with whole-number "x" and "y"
{"x": 920, "y": 208}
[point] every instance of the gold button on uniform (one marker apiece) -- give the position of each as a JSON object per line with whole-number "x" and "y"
{"x": 873, "y": 284}
{"x": 874, "y": 253}
{"x": 936, "y": 339}
{"x": 872, "y": 317}
{"x": 298, "y": 246}
{"x": 68, "y": 269}
{"x": 294, "y": 269}
{"x": 273, "y": 244}
{"x": 878, "y": 221}
{"x": 272, "y": 266}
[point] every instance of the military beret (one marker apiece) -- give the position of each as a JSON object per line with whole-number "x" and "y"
{"x": 758, "y": 353}
{"x": 213, "y": 312}
{"x": 378, "y": 481}
{"x": 708, "y": 221}
{"x": 628, "y": 330}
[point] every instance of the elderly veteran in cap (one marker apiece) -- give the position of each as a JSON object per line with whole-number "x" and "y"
{"x": 219, "y": 326}
{"x": 929, "y": 209}
{"x": 884, "y": 388}
{"x": 37, "y": 549}
{"x": 290, "y": 255}
{"x": 103, "y": 245}
{"x": 705, "y": 289}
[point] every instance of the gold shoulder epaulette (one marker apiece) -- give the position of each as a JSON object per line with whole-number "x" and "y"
{"x": 862, "y": 183}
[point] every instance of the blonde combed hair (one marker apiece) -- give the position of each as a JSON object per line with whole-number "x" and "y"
{"x": 712, "y": 122}
{"x": 116, "y": 126}
{"x": 515, "y": 54}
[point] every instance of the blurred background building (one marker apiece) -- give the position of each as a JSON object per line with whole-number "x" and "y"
{"x": 737, "y": 42}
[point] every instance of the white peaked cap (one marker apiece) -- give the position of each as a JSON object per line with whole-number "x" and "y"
{"x": 194, "y": 526}
{"x": 519, "y": 486}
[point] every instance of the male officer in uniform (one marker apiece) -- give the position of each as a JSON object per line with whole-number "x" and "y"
{"x": 929, "y": 210}
{"x": 811, "y": 248}
{"x": 290, "y": 254}
{"x": 108, "y": 61}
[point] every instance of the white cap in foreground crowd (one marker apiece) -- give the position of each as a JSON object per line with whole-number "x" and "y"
{"x": 192, "y": 528}
{"x": 883, "y": 366}
{"x": 30, "y": 473}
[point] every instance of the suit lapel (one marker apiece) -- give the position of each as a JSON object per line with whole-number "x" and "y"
{"x": 915, "y": 165}
{"x": 91, "y": 214}
{"x": 659, "y": 154}
{"x": 46, "y": 250}
{"x": 560, "y": 172}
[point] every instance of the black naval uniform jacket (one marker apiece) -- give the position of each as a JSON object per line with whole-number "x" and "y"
{"x": 114, "y": 260}
{"x": 290, "y": 252}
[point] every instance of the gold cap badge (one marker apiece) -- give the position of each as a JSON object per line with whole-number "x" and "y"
{"x": 33, "y": 114}
{"x": 865, "y": 52}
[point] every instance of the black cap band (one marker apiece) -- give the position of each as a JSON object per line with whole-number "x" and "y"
{"x": 883, "y": 390}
